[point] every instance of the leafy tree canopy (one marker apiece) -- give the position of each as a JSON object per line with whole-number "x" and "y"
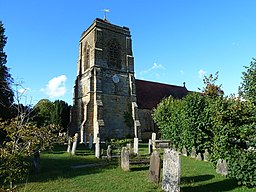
{"x": 6, "y": 93}
{"x": 248, "y": 86}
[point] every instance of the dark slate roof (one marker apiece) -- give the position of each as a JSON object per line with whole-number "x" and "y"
{"x": 149, "y": 94}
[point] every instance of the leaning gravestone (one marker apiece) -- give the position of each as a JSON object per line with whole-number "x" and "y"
{"x": 125, "y": 158}
{"x": 193, "y": 152}
{"x": 154, "y": 168}
{"x": 74, "y": 144}
{"x": 171, "y": 171}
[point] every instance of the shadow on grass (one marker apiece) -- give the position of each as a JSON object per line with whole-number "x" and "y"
{"x": 196, "y": 178}
{"x": 139, "y": 168}
{"x": 225, "y": 185}
{"x": 58, "y": 163}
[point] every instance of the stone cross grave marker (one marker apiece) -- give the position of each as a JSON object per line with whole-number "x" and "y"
{"x": 155, "y": 167}
{"x": 171, "y": 171}
{"x": 125, "y": 158}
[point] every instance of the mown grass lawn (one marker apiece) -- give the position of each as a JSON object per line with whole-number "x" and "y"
{"x": 57, "y": 174}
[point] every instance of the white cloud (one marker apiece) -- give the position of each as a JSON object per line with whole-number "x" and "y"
{"x": 153, "y": 68}
{"x": 56, "y": 87}
{"x": 201, "y": 73}
{"x": 181, "y": 72}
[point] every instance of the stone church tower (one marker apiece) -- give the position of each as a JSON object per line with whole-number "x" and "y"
{"x": 104, "y": 102}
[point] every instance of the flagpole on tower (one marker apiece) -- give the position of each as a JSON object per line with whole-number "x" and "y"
{"x": 105, "y": 14}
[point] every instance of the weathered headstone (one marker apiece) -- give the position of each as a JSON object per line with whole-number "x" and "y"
{"x": 90, "y": 141}
{"x": 74, "y": 144}
{"x": 206, "y": 155}
{"x": 69, "y": 145}
{"x": 199, "y": 157}
{"x": 150, "y": 147}
{"x": 193, "y": 152}
{"x": 153, "y": 140}
{"x": 184, "y": 151}
{"x": 222, "y": 167}
{"x": 125, "y": 158}
{"x": 97, "y": 147}
{"x": 171, "y": 171}
{"x": 155, "y": 167}
{"x": 136, "y": 146}
{"x": 128, "y": 145}
{"x": 109, "y": 152}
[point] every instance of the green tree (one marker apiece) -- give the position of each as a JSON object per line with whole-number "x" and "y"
{"x": 6, "y": 93}
{"x": 211, "y": 89}
{"x": 43, "y": 110}
{"x": 248, "y": 86}
{"x": 60, "y": 115}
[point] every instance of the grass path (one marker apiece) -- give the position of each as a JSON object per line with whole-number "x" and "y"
{"x": 57, "y": 175}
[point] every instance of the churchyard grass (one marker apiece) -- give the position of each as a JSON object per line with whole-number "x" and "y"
{"x": 57, "y": 174}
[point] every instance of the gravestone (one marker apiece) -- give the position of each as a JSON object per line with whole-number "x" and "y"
{"x": 199, "y": 157}
{"x": 90, "y": 141}
{"x": 97, "y": 147}
{"x": 206, "y": 155}
{"x": 150, "y": 147}
{"x": 171, "y": 171}
{"x": 128, "y": 145}
{"x": 74, "y": 144}
{"x": 136, "y": 146}
{"x": 155, "y": 167}
{"x": 125, "y": 158}
{"x": 184, "y": 151}
{"x": 109, "y": 152}
{"x": 222, "y": 167}
{"x": 153, "y": 140}
{"x": 69, "y": 145}
{"x": 193, "y": 152}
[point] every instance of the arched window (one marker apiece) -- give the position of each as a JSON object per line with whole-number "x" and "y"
{"x": 87, "y": 50}
{"x": 114, "y": 54}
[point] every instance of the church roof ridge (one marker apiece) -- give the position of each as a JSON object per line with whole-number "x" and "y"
{"x": 166, "y": 84}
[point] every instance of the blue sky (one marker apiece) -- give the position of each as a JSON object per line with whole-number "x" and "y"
{"x": 174, "y": 41}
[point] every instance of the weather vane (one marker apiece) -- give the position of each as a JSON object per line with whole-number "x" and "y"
{"x": 105, "y": 13}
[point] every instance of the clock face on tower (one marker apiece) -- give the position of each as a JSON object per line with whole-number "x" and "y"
{"x": 115, "y": 78}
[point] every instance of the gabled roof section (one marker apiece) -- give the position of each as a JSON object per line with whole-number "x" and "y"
{"x": 149, "y": 94}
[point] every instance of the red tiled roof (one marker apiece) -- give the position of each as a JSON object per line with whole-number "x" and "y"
{"x": 149, "y": 94}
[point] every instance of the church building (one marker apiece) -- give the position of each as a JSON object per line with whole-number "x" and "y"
{"x": 108, "y": 101}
